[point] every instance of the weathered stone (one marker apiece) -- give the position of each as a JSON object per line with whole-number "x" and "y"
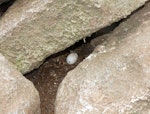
{"x": 114, "y": 79}
{"x": 17, "y": 94}
{"x": 31, "y": 30}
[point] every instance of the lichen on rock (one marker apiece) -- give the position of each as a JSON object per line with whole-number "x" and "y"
{"x": 33, "y": 30}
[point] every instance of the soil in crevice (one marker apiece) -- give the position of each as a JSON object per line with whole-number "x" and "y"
{"x": 50, "y": 74}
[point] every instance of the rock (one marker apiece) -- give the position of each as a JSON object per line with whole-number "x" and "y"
{"x": 32, "y": 30}
{"x": 17, "y": 94}
{"x": 114, "y": 79}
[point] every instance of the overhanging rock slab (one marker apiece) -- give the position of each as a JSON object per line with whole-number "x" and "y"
{"x": 31, "y": 30}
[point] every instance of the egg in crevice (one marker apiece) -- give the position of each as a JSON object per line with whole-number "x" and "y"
{"x": 72, "y": 58}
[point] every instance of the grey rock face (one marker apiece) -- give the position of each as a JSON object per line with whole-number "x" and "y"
{"x": 115, "y": 78}
{"x": 17, "y": 94}
{"x": 31, "y": 30}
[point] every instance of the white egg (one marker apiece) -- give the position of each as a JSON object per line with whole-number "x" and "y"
{"x": 72, "y": 58}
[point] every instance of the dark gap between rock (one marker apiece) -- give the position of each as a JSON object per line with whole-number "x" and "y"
{"x": 4, "y": 6}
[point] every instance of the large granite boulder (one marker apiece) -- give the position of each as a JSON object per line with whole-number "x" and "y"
{"x": 31, "y": 30}
{"x": 17, "y": 94}
{"x": 115, "y": 78}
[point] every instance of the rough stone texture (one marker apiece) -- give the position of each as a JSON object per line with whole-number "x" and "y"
{"x": 33, "y": 29}
{"x": 17, "y": 94}
{"x": 114, "y": 79}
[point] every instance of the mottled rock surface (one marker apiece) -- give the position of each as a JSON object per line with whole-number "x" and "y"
{"x": 31, "y": 30}
{"x": 17, "y": 94}
{"x": 115, "y": 78}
